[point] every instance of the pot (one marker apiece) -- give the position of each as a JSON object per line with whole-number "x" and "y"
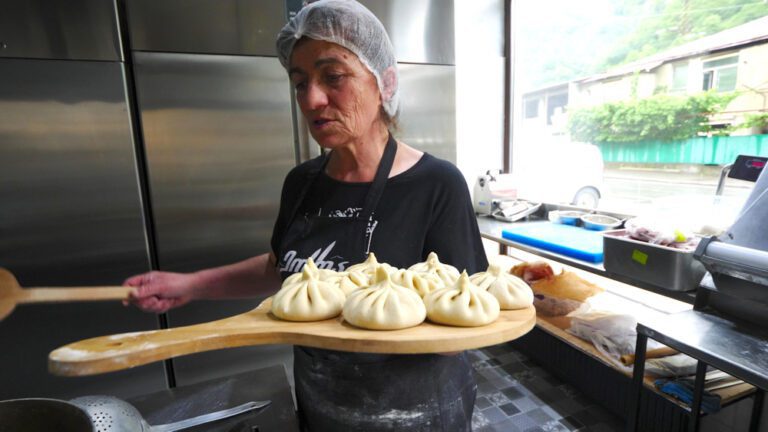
{"x": 42, "y": 415}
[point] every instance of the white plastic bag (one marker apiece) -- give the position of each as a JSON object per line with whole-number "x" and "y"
{"x": 613, "y": 335}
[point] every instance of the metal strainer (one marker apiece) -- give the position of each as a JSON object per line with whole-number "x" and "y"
{"x": 110, "y": 414}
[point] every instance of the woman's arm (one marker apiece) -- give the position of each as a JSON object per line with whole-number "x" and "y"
{"x": 247, "y": 278}
{"x": 159, "y": 291}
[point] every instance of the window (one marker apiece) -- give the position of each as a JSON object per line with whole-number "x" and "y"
{"x": 553, "y": 103}
{"x": 720, "y": 74}
{"x": 619, "y": 84}
{"x": 679, "y": 77}
{"x": 531, "y": 108}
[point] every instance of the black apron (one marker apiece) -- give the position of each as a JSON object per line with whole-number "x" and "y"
{"x": 340, "y": 391}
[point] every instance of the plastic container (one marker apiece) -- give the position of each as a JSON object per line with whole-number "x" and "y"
{"x": 665, "y": 267}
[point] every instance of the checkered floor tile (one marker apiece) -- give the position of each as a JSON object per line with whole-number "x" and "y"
{"x": 515, "y": 395}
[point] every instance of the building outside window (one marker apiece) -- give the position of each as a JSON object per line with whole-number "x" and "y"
{"x": 720, "y": 74}
{"x": 619, "y": 75}
{"x": 679, "y": 77}
{"x": 531, "y": 108}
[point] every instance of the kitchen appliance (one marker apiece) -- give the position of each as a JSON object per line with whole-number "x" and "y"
{"x": 73, "y": 210}
{"x": 42, "y": 415}
{"x": 513, "y": 210}
{"x": 737, "y": 262}
{"x": 493, "y": 186}
{"x": 145, "y": 134}
{"x": 110, "y": 414}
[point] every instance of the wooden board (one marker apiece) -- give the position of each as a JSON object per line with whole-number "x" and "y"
{"x": 259, "y": 327}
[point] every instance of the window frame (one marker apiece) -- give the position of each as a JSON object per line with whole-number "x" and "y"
{"x": 711, "y": 75}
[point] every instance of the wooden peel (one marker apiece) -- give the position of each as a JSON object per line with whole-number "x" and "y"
{"x": 11, "y": 293}
{"x": 629, "y": 359}
{"x": 259, "y": 327}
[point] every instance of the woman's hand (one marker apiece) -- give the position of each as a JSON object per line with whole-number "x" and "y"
{"x": 158, "y": 291}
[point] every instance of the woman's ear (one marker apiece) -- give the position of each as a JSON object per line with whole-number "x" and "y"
{"x": 389, "y": 83}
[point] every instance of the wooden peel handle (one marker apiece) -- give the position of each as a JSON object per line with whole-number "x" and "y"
{"x": 629, "y": 359}
{"x": 54, "y": 295}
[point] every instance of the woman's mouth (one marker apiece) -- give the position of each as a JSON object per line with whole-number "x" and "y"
{"x": 320, "y": 123}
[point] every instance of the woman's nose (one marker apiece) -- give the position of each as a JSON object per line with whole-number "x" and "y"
{"x": 316, "y": 97}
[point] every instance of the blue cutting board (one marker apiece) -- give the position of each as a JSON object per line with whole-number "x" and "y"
{"x": 568, "y": 240}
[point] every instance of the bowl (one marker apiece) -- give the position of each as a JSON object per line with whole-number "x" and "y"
{"x": 567, "y": 217}
{"x": 598, "y": 222}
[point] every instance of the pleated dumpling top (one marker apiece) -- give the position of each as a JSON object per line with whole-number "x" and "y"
{"x": 511, "y": 291}
{"x": 432, "y": 265}
{"x": 463, "y": 304}
{"x": 421, "y": 283}
{"x": 368, "y": 266}
{"x": 308, "y": 298}
{"x": 322, "y": 274}
{"x": 384, "y": 305}
{"x": 350, "y": 281}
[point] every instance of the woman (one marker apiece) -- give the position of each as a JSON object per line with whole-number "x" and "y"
{"x": 370, "y": 193}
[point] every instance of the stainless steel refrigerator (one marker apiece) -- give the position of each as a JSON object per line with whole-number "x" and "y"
{"x": 143, "y": 133}
{"x": 70, "y": 203}
{"x": 221, "y": 133}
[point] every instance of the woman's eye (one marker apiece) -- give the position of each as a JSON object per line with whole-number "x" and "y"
{"x": 334, "y": 78}
{"x": 300, "y": 86}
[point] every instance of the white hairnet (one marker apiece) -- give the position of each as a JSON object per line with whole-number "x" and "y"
{"x": 353, "y": 26}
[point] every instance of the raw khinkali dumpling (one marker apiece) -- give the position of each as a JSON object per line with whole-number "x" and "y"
{"x": 323, "y": 274}
{"x": 308, "y": 298}
{"x": 462, "y": 304}
{"x": 350, "y": 281}
{"x": 384, "y": 305}
{"x": 368, "y": 266}
{"x": 446, "y": 272}
{"x": 511, "y": 291}
{"x": 422, "y": 283}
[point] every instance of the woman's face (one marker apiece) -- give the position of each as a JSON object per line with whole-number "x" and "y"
{"x": 336, "y": 92}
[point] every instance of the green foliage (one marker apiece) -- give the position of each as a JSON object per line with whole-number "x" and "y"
{"x": 759, "y": 121}
{"x": 659, "y": 118}
{"x": 560, "y": 40}
{"x": 669, "y": 23}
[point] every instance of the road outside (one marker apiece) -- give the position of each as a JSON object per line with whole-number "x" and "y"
{"x": 638, "y": 190}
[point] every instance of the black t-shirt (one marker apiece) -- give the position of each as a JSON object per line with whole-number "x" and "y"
{"x": 425, "y": 209}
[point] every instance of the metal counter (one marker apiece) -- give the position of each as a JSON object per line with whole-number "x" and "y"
{"x": 491, "y": 229}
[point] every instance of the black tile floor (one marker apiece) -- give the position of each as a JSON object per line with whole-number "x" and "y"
{"x": 516, "y": 395}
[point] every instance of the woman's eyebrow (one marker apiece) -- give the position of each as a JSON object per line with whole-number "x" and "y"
{"x": 296, "y": 71}
{"x": 319, "y": 62}
{"x": 327, "y": 60}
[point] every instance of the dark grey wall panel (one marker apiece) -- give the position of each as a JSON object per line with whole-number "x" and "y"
{"x": 70, "y": 215}
{"x": 246, "y": 27}
{"x": 59, "y": 29}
